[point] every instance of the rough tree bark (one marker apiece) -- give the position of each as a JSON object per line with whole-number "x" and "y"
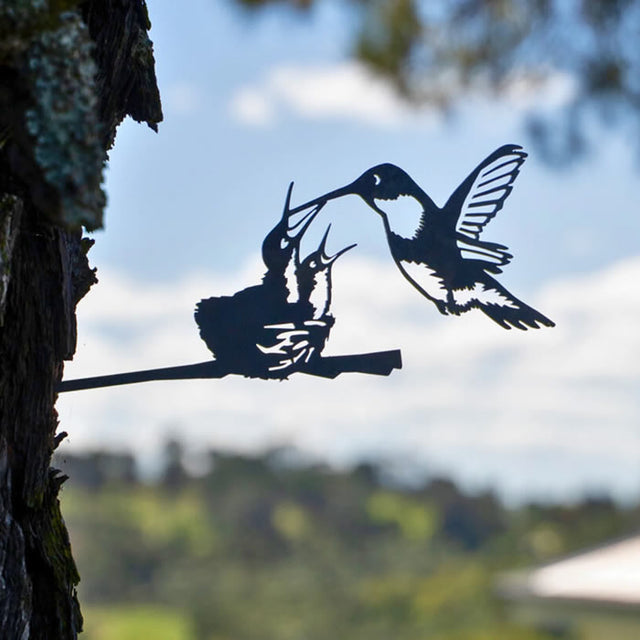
{"x": 70, "y": 71}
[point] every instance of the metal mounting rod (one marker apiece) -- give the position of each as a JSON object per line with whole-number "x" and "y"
{"x": 380, "y": 363}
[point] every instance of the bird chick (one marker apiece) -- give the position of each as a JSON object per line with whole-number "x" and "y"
{"x": 281, "y": 246}
{"x": 314, "y": 277}
{"x": 242, "y": 331}
{"x": 298, "y": 342}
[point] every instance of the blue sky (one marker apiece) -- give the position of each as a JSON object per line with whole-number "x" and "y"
{"x": 252, "y": 103}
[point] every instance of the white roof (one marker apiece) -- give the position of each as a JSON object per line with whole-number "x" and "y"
{"x": 607, "y": 574}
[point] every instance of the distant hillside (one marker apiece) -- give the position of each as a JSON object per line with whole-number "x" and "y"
{"x": 266, "y": 548}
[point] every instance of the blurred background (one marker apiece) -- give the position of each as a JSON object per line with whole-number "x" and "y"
{"x": 361, "y": 506}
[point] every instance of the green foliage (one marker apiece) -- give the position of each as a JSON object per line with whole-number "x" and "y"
{"x": 390, "y": 32}
{"x": 256, "y": 549}
{"x": 133, "y": 622}
{"x": 416, "y": 520}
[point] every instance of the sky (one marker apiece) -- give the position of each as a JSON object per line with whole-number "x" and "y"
{"x": 252, "y": 103}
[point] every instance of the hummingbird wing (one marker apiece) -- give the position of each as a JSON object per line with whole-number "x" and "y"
{"x": 479, "y": 198}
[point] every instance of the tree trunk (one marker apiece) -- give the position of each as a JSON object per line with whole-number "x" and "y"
{"x": 69, "y": 72}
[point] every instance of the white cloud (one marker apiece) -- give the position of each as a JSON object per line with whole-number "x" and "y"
{"x": 252, "y": 106}
{"x": 346, "y": 91}
{"x": 548, "y": 410}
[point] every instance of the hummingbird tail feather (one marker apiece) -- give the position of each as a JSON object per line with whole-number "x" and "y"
{"x": 499, "y": 305}
{"x": 521, "y": 318}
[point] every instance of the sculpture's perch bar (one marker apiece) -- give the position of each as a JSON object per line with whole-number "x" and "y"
{"x": 380, "y": 364}
{"x": 211, "y": 369}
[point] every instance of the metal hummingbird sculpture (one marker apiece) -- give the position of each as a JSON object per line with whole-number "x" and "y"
{"x": 280, "y": 326}
{"x": 438, "y": 249}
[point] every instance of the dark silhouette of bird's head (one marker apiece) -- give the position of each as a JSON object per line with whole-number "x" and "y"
{"x": 319, "y": 260}
{"x": 281, "y": 243}
{"x": 386, "y": 182}
{"x": 314, "y": 276}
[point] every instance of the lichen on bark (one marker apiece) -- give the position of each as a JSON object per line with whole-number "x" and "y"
{"x": 63, "y": 122}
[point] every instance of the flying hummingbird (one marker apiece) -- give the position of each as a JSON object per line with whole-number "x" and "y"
{"x": 438, "y": 249}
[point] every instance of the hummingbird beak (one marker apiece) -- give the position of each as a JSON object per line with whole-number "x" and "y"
{"x": 350, "y": 189}
{"x": 297, "y": 221}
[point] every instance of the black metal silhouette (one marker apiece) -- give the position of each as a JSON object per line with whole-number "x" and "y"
{"x": 272, "y": 329}
{"x": 438, "y": 250}
{"x": 303, "y": 342}
{"x": 281, "y": 325}
{"x": 314, "y": 278}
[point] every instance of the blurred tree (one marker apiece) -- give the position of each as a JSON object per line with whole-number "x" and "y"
{"x": 174, "y": 475}
{"x": 97, "y": 468}
{"x": 262, "y": 550}
{"x": 69, "y": 73}
{"x": 466, "y": 520}
{"x": 439, "y": 50}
